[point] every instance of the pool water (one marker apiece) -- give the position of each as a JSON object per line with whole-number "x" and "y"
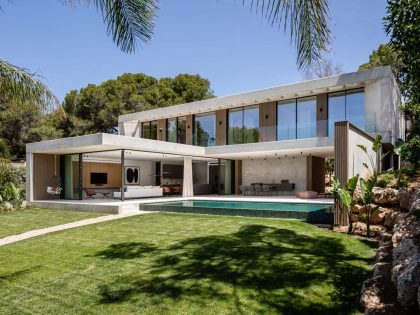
{"x": 315, "y": 213}
{"x": 275, "y": 206}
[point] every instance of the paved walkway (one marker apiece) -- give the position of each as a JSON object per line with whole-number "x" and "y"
{"x": 61, "y": 227}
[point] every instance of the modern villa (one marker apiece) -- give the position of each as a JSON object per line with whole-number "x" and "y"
{"x": 269, "y": 142}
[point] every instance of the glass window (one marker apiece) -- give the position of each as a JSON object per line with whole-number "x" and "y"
{"x": 349, "y": 105}
{"x": 235, "y": 126}
{"x": 336, "y": 110}
{"x": 355, "y": 108}
{"x": 153, "y": 130}
{"x": 182, "y": 130}
{"x": 149, "y": 130}
{"x": 251, "y": 124}
{"x": 286, "y": 120}
{"x": 306, "y": 118}
{"x": 205, "y": 130}
{"x": 171, "y": 130}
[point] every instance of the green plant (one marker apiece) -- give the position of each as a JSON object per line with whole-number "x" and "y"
{"x": 366, "y": 199}
{"x": 373, "y": 168}
{"x": 344, "y": 195}
{"x": 385, "y": 179}
{"x": 329, "y": 166}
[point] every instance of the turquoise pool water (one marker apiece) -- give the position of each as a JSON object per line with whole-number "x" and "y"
{"x": 246, "y": 205}
{"x": 314, "y": 213}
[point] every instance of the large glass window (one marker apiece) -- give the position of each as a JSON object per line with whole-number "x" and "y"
{"x": 243, "y": 125}
{"x": 349, "y": 105}
{"x": 306, "y": 118}
{"x": 205, "y": 130}
{"x": 176, "y": 129}
{"x": 355, "y": 108}
{"x": 182, "y": 130}
{"x": 235, "y": 129}
{"x": 251, "y": 124}
{"x": 286, "y": 120}
{"x": 171, "y": 130}
{"x": 149, "y": 130}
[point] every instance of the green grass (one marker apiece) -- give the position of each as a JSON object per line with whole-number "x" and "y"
{"x": 16, "y": 222}
{"x": 185, "y": 264}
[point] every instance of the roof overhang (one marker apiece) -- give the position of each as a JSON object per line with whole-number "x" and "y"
{"x": 301, "y": 89}
{"x": 107, "y": 142}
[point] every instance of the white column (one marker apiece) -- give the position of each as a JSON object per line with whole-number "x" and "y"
{"x": 187, "y": 187}
{"x": 29, "y": 177}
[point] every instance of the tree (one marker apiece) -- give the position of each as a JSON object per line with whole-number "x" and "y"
{"x": 129, "y": 20}
{"x": 322, "y": 69}
{"x": 96, "y": 108}
{"x": 402, "y": 24}
{"x": 385, "y": 55}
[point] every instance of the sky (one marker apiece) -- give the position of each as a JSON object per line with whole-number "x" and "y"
{"x": 221, "y": 40}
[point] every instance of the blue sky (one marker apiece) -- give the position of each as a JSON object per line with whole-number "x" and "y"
{"x": 235, "y": 48}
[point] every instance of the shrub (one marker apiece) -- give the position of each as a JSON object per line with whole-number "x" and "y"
{"x": 12, "y": 184}
{"x": 386, "y": 179}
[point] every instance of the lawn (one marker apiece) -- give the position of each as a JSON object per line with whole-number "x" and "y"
{"x": 16, "y": 222}
{"x": 185, "y": 264}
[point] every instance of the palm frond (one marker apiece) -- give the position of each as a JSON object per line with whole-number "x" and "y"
{"x": 127, "y": 20}
{"x": 20, "y": 84}
{"x": 307, "y": 22}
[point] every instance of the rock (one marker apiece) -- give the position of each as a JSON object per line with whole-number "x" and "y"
{"x": 99, "y": 195}
{"x": 390, "y": 218}
{"x": 23, "y": 204}
{"x": 385, "y": 196}
{"x": 361, "y": 229}
{"x": 358, "y": 208}
{"x": 404, "y": 198}
{"x": 8, "y": 206}
{"x": 418, "y": 297}
{"x": 415, "y": 207}
{"x": 408, "y": 284}
{"x": 378, "y": 217}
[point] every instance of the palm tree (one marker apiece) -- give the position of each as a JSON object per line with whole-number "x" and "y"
{"x": 131, "y": 20}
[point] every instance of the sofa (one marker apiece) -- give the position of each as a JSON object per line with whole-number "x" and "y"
{"x": 140, "y": 192}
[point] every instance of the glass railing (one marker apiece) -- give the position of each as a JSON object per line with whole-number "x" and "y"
{"x": 293, "y": 131}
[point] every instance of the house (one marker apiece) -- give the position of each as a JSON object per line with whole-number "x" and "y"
{"x": 278, "y": 135}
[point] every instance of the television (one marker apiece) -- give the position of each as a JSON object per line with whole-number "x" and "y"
{"x": 98, "y": 178}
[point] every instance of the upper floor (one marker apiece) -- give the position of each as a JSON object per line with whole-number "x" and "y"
{"x": 368, "y": 99}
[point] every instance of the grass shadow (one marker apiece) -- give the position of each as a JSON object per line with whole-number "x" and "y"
{"x": 270, "y": 266}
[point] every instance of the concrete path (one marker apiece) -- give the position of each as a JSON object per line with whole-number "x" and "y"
{"x": 61, "y": 227}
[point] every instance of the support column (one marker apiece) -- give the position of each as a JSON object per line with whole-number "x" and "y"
{"x": 187, "y": 186}
{"x": 29, "y": 177}
{"x": 80, "y": 176}
{"x": 122, "y": 174}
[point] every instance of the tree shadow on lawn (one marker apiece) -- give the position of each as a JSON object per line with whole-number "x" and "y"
{"x": 262, "y": 266}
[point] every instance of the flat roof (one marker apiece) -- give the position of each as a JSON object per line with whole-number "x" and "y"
{"x": 300, "y": 89}
{"x": 154, "y": 149}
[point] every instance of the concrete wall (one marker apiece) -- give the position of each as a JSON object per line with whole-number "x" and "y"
{"x": 356, "y": 157}
{"x": 147, "y": 171}
{"x": 382, "y": 99}
{"x": 275, "y": 170}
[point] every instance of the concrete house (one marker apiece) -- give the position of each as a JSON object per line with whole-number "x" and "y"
{"x": 279, "y": 136}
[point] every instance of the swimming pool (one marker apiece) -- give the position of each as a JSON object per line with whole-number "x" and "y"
{"x": 315, "y": 213}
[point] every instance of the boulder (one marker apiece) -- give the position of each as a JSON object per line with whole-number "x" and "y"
{"x": 358, "y": 209}
{"x": 404, "y": 198}
{"x": 390, "y": 218}
{"x": 408, "y": 284}
{"x": 385, "y": 196}
{"x": 99, "y": 195}
{"x": 378, "y": 217}
{"x": 8, "y": 206}
{"x": 415, "y": 207}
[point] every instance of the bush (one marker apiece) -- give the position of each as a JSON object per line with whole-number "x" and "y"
{"x": 4, "y": 150}
{"x": 12, "y": 184}
{"x": 386, "y": 179}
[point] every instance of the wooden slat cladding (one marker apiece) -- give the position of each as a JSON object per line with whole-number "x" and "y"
{"x": 322, "y": 115}
{"x": 341, "y": 130}
{"x": 112, "y": 169}
{"x": 268, "y": 121}
{"x": 45, "y": 167}
{"x": 315, "y": 174}
{"x": 189, "y": 131}
{"x": 221, "y": 126}
{"x": 238, "y": 176}
{"x": 161, "y": 132}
